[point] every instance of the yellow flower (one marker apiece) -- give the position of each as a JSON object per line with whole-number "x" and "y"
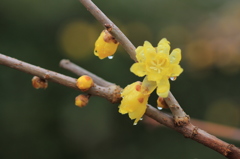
{"x": 106, "y": 45}
{"x": 158, "y": 65}
{"x": 134, "y": 102}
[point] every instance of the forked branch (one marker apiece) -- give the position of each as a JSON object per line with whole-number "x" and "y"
{"x": 180, "y": 117}
{"x": 179, "y": 121}
{"x": 112, "y": 93}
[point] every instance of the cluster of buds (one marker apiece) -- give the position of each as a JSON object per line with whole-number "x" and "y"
{"x": 158, "y": 65}
{"x": 84, "y": 83}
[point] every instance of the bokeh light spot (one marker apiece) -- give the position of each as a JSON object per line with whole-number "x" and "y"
{"x": 225, "y": 112}
{"x": 177, "y": 34}
{"x": 77, "y": 39}
{"x": 199, "y": 54}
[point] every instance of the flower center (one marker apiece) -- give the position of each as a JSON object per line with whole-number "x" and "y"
{"x": 158, "y": 64}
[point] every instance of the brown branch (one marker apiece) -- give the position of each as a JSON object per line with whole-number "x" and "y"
{"x": 219, "y": 130}
{"x": 180, "y": 117}
{"x": 60, "y": 78}
{"x": 111, "y": 27}
{"x": 189, "y": 131}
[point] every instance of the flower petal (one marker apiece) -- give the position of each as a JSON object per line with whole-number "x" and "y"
{"x": 103, "y": 47}
{"x": 138, "y": 113}
{"x": 175, "y": 70}
{"x": 122, "y": 110}
{"x": 148, "y": 47}
{"x": 148, "y": 86}
{"x": 163, "y": 87}
{"x": 175, "y": 56}
{"x": 138, "y": 69}
{"x": 140, "y": 54}
{"x": 163, "y": 46}
{"x": 130, "y": 88}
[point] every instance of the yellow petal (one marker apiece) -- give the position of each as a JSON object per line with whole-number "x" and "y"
{"x": 137, "y": 115}
{"x": 148, "y": 47}
{"x": 175, "y": 70}
{"x": 154, "y": 76}
{"x": 122, "y": 110}
{"x": 175, "y": 56}
{"x": 163, "y": 46}
{"x": 148, "y": 86}
{"x": 129, "y": 89}
{"x": 150, "y": 56}
{"x": 138, "y": 69}
{"x": 140, "y": 54}
{"x": 163, "y": 87}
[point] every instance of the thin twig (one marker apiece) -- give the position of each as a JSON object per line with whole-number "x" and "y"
{"x": 66, "y": 64}
{"x": 180, "y": 117}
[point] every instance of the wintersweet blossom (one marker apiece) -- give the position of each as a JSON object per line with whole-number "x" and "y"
{"x": 134, "y": 101}
{"x": 106, "y": 45}
{"x": 158, "y": 65}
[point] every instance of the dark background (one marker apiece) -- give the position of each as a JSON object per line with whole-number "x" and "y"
{"x": 46, "y": 123}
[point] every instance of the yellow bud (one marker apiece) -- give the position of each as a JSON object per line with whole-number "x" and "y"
{"x": 39, "y": 82}
{"x": 84, "y": 83}
{"x": 106, "y": 45}
{"x": 81, "y": 100}
{"x": 161, "y": 103}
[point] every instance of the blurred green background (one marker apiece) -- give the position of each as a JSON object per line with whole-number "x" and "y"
{"x": 46, "y": 123}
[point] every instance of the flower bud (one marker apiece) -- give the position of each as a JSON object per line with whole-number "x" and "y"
{"x": 106, "y": 45}
{"x": 84, "y": 83}
{"x": 81, "y": 100}
{"x": 39, "y": 82}
{"x": 161, "y": 103}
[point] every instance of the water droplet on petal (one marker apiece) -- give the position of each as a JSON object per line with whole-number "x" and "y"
{"x": 173, "y": 78}
{"x": 134, "y": 123}
{"x": 159, "y": 108}
{"x": 110, "y": 57}
{"x": 141, "y": 119}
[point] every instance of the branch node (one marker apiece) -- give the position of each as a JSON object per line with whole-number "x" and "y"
{"x": 194, "y": 132}
{"x": 46, "y": 76}
{"x": 108, "y": 27}
{"x": 116, "y": 95}
{"x": 181, "y": 121}
{"x": 228, "y": 150}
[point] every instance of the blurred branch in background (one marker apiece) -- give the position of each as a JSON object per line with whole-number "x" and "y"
{"x": 219, "y": 130}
